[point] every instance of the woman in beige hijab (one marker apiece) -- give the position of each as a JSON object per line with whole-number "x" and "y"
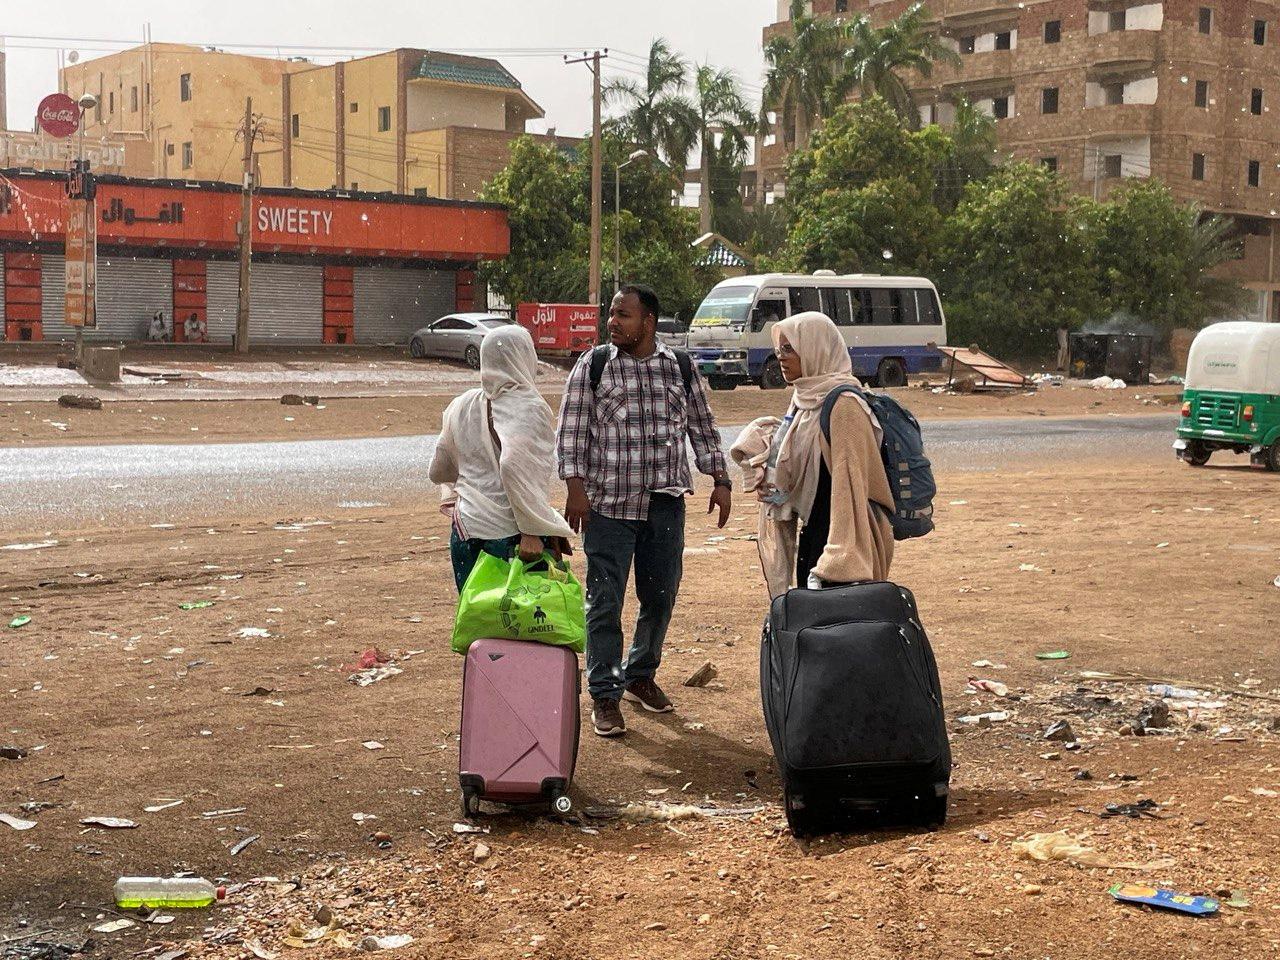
{"x": 838, "y": 491}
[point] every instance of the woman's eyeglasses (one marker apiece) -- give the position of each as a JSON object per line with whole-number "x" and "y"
{"x": 786, "y": 350}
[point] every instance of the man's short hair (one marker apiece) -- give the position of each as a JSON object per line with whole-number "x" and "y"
{"x": 646, "y": 295}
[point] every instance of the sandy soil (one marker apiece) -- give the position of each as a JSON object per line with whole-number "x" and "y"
{"x": 44, "y": 423}
{"x": 1142, "y": 567}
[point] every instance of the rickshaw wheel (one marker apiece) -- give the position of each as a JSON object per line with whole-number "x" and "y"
{"x": 1273, "y": 457}
{"x": 1196, "y": 454}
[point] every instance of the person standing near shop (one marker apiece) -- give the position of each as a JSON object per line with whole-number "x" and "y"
{"x": 628, "y": 407}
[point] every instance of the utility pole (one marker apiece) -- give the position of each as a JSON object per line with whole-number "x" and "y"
{"x": 246, "y": 231}
{"x": 597, "y": 187}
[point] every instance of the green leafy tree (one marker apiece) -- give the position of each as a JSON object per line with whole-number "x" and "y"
{"x": 861, "y": 199}
{"x": 1156, "y": 257}
{"x": 657, "y": 114}
{"x": 547, "y": 195}
{"x": 1015, "y": 263}
{"x": 882, "y": 57}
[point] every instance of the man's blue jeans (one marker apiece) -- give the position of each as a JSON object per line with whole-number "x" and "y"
{"x": 657, "y": 547}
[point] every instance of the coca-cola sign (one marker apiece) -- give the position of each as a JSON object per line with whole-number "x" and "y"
{"x": 58, "y": 115}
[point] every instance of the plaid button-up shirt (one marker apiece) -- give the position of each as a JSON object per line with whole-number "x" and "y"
{"x": 626, "y": 440}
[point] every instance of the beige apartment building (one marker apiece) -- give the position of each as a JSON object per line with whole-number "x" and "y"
{"x": 1184, "y": 90}
{"x": 185, "y": 103}
{"x": 405, "y": 121}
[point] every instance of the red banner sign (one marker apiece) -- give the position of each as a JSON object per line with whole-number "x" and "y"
{"x": 58, "y": 115}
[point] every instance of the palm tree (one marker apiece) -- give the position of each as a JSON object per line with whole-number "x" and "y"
{"x": 880, "y": 56}
{"x": 658, "y": 116}
{"x": 1212, "y": 242}
{"x": 721, "y": 109}
{"x": 801, "y": 70}
{"x": 972, "y": 155}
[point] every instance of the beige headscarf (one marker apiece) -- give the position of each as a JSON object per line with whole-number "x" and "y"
{"x": 824, "y": 365}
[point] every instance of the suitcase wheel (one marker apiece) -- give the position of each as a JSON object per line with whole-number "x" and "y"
{"x": 470, "y": 805}
{"x": 562, "y": 804}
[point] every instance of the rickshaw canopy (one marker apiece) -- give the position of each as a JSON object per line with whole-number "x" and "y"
{"x": 1238, "y": 357}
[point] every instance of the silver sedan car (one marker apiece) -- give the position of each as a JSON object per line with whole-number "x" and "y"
{"x": 456, "y": 336}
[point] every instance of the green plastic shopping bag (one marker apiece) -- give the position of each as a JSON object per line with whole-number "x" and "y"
{"x": 513, "y": 600}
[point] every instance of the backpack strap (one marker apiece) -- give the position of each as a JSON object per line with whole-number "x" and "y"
{"x": 824, "y": 417}
{"x": 600, "y": 357}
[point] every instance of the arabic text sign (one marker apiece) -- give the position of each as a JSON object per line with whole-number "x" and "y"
{"x": 81, "y": 265}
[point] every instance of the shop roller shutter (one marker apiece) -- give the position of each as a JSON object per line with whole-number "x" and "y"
{"x": 1, "y": 294}
{"x": 130, "y": 291}
{"x": 391, "y": 303}
{"x": 53, "y": 294}
{"x": 222, "y": 286}
{"x": 286, "y": 302}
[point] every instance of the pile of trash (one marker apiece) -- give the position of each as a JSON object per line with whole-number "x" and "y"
{"x": 1108, "y": 383}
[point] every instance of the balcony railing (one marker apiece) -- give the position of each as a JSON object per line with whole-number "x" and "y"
{"x": 1121, "y": 49}
{"x": 992, "y": 66}
{"x": 1125, "y": 119}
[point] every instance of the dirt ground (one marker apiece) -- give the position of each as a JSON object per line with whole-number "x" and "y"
{"x": 125, "y": 700}
{"x": 30, "y": 423}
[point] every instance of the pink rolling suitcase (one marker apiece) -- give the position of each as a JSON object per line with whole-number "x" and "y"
{"x": 519, "y": 724}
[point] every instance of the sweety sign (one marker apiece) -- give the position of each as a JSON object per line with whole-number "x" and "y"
{"x": 58, "y": 115}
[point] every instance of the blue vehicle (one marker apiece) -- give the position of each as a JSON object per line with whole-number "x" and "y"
{"x": 892, "y": 325}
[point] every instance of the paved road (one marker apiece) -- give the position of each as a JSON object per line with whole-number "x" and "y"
{"x": 64, "y": 488}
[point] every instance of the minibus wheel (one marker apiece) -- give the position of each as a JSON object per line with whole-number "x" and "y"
{"x": 771, "y": 377}
{"x": 1272, "y": 457}
{"x": 891, "y": 373}
{"x": 1197, "y": 454}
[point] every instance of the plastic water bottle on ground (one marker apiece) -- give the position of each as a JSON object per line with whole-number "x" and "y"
{"x": 173, "y": 892}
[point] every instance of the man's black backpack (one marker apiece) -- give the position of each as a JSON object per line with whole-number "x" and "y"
{"x": 600, "y": 357}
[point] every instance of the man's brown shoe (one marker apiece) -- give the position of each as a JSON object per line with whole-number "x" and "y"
{"x": 606, "y": 718}
{"x": 649, "y": 695}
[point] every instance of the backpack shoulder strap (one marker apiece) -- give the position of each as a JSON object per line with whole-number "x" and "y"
{"x": 599, "y": 357}
{"x": 829, "y": 404}
{"x": 686, "y": 368}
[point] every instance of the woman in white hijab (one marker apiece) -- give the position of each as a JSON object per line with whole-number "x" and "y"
{"x": 837, "y": 491}
{"x": 495, "y": 460}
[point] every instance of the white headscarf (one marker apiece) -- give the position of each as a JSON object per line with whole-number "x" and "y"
{"x": 824, "y": 365}
{"x": 508, "y": 406}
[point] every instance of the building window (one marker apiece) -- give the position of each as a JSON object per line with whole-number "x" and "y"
{"x": 1113, "y": 94}
{"x": 421, "y": 192}
{"x": 133, "y": 99}
{"x": 967, "y": 44}
{"x": 1053, "y": 31}
{"x": 355, "y": 107}
{"x": 1049, "y": 100}
{"x": 1202, "y": 94}
{"x": 184, "y": 87}
{"x": 1255, "y": 173}
{"x": 842, "y": 6}
{"x": 111, "y": 102}
{"x": 1111, "y": 166}
{"x": 354, "y": 185}
{"x": 1116, "y": 20}
{"x": 1255, "y": 102}
{"x": 1004, "y": 41}
{"x": 168, "y": 149}
{"x": 295, "y": 125}
{"x": 1206, "y": 20}
{"x": 1260, "y": 32}
{"x": 1049, "y": 163}
{"x": 1197, "y": 166}
{"x": 188, "y": 156}
{"x": 384, "y": 119}
{"x": 1000, "y": 107}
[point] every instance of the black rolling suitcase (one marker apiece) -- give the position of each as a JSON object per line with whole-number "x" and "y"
{"x": 854, "y": 708}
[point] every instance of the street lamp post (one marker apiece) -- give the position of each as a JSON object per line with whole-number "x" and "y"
{"x": 86, "y": 103}
{"x": 617, "y": 216}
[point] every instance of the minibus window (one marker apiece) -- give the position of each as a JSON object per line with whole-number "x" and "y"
{"x": 906, "y": 300}
{"x": 804, "y": 299}
{"x": 927, "y": 305}
{"x": 835, "y": 304}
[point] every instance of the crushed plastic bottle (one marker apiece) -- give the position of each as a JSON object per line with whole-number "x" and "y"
{"x": 173, "y": 892}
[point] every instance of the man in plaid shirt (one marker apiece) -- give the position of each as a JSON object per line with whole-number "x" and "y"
{"x": 621, "y": 447}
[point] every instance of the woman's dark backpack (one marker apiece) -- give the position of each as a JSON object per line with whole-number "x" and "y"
{"x": 902, "y": 450}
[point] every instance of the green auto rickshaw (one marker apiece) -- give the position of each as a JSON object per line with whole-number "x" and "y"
{"x": 1232, "y": 397}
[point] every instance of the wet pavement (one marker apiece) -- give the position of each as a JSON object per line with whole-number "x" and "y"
{"x": 44, "y": 490}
